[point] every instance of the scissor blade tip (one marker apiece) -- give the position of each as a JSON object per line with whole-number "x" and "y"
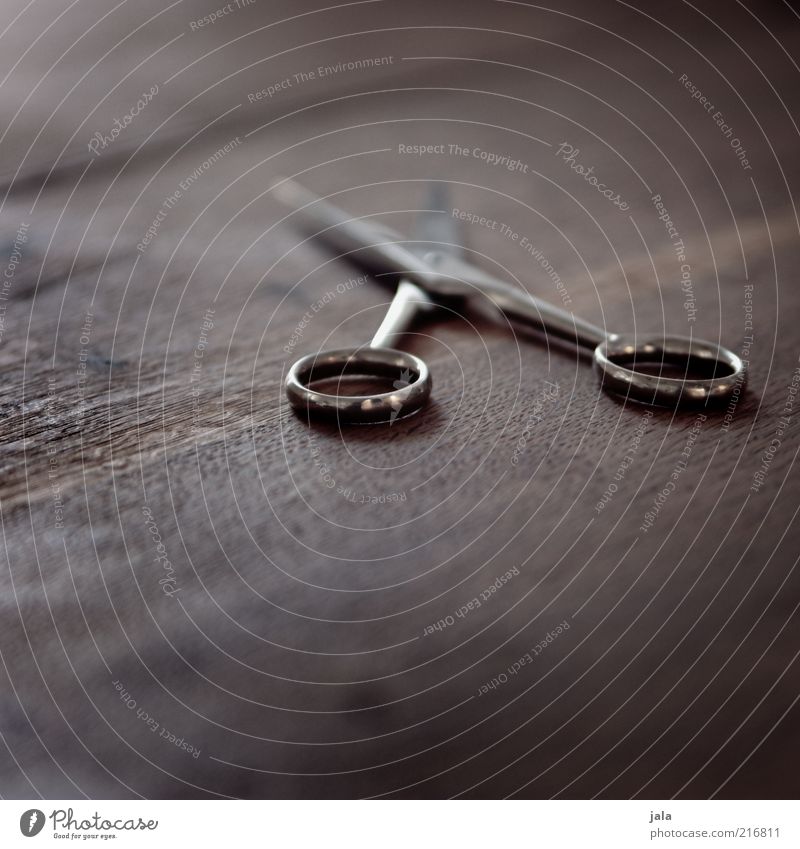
{"x": 440, "y": 192}
{"x": 289, "y": 191}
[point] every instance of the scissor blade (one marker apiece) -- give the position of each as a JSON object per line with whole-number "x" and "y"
{"x": 369, "y": 244}
{"x": 435, "y": 228}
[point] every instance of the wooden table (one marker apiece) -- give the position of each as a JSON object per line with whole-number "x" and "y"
{"x": 530, "y": 589}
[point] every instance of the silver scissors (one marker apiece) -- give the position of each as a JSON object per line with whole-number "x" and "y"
{"x": 432, "y": 271}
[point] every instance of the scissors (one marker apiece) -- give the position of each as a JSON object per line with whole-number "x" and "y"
{"x": 433, "y": 271}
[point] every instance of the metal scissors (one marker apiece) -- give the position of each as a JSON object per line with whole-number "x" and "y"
{"x": 433, "y": 271}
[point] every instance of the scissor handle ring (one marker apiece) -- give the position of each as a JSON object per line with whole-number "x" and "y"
{"x": 615, "y": 361}
{"x": 412, "y": 385}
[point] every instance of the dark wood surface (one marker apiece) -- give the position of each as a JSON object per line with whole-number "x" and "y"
{"x": 284, "y": 629}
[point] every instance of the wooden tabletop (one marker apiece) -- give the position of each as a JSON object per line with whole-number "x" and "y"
{"x": 531, "y": 588}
